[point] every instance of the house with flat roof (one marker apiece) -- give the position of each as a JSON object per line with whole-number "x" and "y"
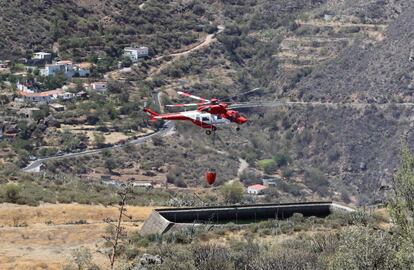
{"x": 136, "y": 53}
{"x": 99, "y": 86}
{"x": 28, "y": 112}
{"x": 64, "y": 67}
{"x": 57, "y": 107}
{"x": 42, "y": 56}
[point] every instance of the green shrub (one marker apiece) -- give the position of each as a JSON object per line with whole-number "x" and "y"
{"x": 232, "y": 192}
{"x": 281, "y": 159}
{"x": 268, "y": 165}
{"x": 12, "y": 193}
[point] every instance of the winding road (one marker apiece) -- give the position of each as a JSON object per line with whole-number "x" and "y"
{"x": 35, "y": 165}
{"x": 168, "y": 126}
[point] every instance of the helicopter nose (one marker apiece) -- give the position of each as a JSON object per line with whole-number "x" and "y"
{"x": 241, "y": 120}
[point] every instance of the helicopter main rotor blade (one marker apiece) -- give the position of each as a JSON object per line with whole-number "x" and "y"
{"x": 241, "y": 94}
{"x": 186, "y": 105}
{"x": 192, "y": 96}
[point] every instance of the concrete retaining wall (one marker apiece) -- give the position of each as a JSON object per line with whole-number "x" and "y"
{"x": 163, "y": 220}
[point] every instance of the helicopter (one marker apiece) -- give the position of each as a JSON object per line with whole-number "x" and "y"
{"x": 209, "y": 114}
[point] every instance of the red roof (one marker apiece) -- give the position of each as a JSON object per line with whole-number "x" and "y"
{"x": 257, "y": 187}
{"x": 41, "y": 94}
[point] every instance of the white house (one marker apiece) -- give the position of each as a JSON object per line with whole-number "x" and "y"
{"x": 135, "y": 53}
{"x": 99, "y": 86}
{"x": 255, "y": 189}
{"x": 42, "y": 56}
{"x": 46, "y": 97}
{"x": 25, "y": 87}
{"x": 66, "y": 96}
{"x": 42, "y": 97}
{"x": 65, "y": 67}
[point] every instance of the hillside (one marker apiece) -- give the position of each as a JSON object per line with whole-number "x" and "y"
{"x": 332, "y": 121}
{"x": 83, "y": 29}
{"x": 354, "y": 52}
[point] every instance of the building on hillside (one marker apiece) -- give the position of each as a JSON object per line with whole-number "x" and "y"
{"x": 83, "y": 69}
{"x": 42, "y": 97}
{"x": 57, "y": 107}
{"x": 99, "y": 86}
{"x": 68, "y": 69}
{"x": 4, "y": 67}
{"x": 269, "y": 182}
{"x": 5, "y": 63}
{"x": 256, "y": 189}
{"x": 26, "y": 87}
{"x": 82, "y": 94}
{"x": 42, "y": 56}
{"x": 11, "y": 131}
{"x": 28, "y": 112}
{"x": 46, "y": 97}
{"x": 64, "y": 67}
{"x": 136, "y": 53}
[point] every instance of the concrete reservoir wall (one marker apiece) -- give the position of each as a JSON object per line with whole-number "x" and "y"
{"x": 164, "y": 220}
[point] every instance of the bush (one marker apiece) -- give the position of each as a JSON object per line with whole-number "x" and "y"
{"x": 211, "y": 257}
{"x": 316, "y": 180}
{"x": 232, "y": 192}
{"x": 12, "y": 193}
{"x": 364, "y": 248}
{"x": 268, "y": 165}
{"x": 281, "y": 159}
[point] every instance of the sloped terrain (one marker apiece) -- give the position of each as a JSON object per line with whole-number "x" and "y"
{"x": 81, "y": 29}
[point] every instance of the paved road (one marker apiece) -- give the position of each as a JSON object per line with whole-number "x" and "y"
{"x": 168, "y": 126}
{"x": 319, "y": 104}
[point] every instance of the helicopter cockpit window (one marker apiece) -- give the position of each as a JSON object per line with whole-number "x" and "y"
{"x": 205, "y": 119}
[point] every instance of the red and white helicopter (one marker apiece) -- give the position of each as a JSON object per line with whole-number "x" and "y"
{"x": 209, "y": 113}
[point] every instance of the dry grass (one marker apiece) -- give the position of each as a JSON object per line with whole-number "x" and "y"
{"x": 43, "y": 246}
{"x": 65, "y": 213}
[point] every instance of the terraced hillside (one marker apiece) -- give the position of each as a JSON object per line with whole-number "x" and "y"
{"x": 319, "y": 40}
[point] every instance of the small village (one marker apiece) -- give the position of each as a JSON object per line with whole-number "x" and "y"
{"x": 28, "y": 95}
{"x": 33, "y": 103}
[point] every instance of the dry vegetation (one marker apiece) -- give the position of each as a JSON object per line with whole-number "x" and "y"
{"x": 43, "y": 237}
